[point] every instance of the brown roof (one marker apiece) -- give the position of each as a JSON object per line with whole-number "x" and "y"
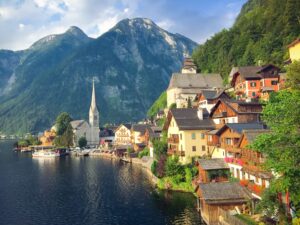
{"x": 252, "y": 134}
{"x": 294, "y": 43}
{"x": 224, "y": 192}
{"x": 140, "y": 128}
{"x": 212, "y": 164}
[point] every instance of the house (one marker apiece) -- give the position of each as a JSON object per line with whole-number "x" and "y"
{"x": 123, "y": 135}
{"x": 212, "y": 170}
{"x": 229, "y": 136}
{"x": 186, "y": 128}
{"x": 208, "y": 98}
{"x": 252, "y": 173}
{"x": 107, "y": 136}
{"x": 248, "y": 81}
{"x": 232, "y": 111}
{"x": 47, "y": 138}
{"x": 220, "y": 195}
{"x": 187, "y": 84}
{"x": 81, "y": 128}
{"x": 294, "y": 50}
{"x": 138, "y": 139}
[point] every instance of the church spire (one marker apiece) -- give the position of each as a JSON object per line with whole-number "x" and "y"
{"x": 94, "y": 114}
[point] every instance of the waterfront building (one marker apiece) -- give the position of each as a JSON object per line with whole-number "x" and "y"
{"x": 187, "y": 84}
{"x": 138, "y": 139}
{"x": 123, "y": 135}
{"x": 215, "y": 198}
{"x": 186, "y": 128}
{"x": 48, "y": 137}
{"x": 90, "y": 130}
{"x": 250, "y": 81}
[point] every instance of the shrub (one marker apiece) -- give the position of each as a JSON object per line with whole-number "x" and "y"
{"x": 173, "y": 167}
{"x": 160, "y": 171}
{"x": 145, "y": 152}
{"x": 154, "y": 167}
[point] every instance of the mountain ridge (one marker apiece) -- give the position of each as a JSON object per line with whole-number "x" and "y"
{"x": 130, "y": 68}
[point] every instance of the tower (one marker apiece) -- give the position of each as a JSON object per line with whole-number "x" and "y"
{"x": 94, "y": 119}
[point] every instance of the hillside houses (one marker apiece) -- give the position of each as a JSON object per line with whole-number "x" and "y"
{"x": 188, "y": 84}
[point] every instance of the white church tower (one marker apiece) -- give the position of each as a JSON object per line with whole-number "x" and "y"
{"x": 94, "y": 120}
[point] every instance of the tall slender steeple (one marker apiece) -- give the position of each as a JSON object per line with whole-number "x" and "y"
{"x": 94, "y": 113}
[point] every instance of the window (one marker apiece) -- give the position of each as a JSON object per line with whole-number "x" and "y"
{"x": 209, "y": 138}
{"x": 253, "y": 94}
{"x": 181, "y": 147}
{"x": 203, "y": 148}
{"x": 274, "y": 82}
{"x": 202, "y": 136}
{"x": 180, "y": 136}
{"x": 253, "y": 84}
{"x": 228, "y": 141}
{"x": 194, "y": 148}
{"x": 244, "y": 86}
{"x": 193, "y": 136}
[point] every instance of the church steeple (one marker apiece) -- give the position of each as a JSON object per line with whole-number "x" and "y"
{"x": 93, "y": 114}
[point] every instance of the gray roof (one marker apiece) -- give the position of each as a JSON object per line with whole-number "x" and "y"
{"x": 198, "y": 80}
{"x": 213, "y": 164}
{"x": 187, "y": 119}
{"x": 77, "y": 123}
{"x": 239, "y": 127}
{"x": 140, "y": 127}
{"x": 224, "y": 192}
{"x": 252, "y": 134}
{"x": 212, "y": 94}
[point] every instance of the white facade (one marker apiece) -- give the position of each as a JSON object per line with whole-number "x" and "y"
{"x": 122, "y": 135}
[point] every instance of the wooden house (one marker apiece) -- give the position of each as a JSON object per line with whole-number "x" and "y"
{"x": 138, "y": 138}
{"x": 224, "y": 195}
{"x": 208, "y": 98}
{"x": 212, "y": 170}
{"x": 232, "y": 111}
{"x": 252, "y": 173}
{"x": 248, "y": 81}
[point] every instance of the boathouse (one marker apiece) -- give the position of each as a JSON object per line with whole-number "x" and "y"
{"x": 224, "y": 196}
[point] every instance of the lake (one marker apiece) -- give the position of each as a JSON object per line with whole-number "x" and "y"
{"x": 84, "y": 191}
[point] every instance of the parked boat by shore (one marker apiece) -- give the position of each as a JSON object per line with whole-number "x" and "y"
{"x": 50, "y": 153}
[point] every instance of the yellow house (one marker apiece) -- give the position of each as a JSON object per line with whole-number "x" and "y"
{"x": 186, "y": 128}
{"x": 294, "y": 50}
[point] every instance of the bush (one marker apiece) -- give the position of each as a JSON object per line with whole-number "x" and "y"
{"x": 173, "y": 167}
{"x": 160, "y": 171}
{"x": 82, "y": 142}
{"x": 145, "y": 152}
{"x": 154, "y": 167}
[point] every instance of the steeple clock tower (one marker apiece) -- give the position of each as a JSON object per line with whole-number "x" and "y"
{"x": 94, "y": 119}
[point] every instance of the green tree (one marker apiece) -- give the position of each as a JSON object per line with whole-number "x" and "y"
{"x": 160, "y": 148}
{"x": 82, "y": 142}
{"x": 64, "y": 130}
{"x": 173, "y": 167}
{"x": 282, "y": 144}
{"x": 62, "y": 122}
{"x": 293, "y": 75}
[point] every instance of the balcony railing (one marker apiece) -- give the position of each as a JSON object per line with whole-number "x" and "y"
{"x": 174, "y": 140}
{"x": 213, "y": 143}
{"x": 175, "y": 152}
{"x": 232, "y": 149}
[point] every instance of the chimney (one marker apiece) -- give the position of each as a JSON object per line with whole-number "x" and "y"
{"x": 200, "y": 113}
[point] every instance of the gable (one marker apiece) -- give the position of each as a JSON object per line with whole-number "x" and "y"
{"x": 222, "y": 110}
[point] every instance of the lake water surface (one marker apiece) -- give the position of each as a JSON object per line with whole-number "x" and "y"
{"x": 84, "y": 191}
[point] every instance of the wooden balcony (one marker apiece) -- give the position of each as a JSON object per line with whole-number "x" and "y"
{"x": 213, "y": 143}
{"x": 173, "y": 140}
{"x": 232, "y": 149}
{"x": 175, "y": 152}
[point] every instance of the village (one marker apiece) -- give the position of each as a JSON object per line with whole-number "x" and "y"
{"x": 206, "y": 125}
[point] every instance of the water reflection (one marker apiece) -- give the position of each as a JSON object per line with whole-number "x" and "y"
{"x": 89, "y": 191}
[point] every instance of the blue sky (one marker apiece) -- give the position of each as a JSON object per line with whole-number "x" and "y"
{"x": 23, "y": 22}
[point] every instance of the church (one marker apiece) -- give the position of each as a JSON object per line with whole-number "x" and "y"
{"x": 90, "y": 130}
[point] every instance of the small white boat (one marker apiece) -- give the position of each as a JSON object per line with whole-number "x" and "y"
{"x": 45, "y": 154}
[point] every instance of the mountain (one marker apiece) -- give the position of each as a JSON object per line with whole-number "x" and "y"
{"x": 260, "y": 35}
{"x": 131, "y": 64}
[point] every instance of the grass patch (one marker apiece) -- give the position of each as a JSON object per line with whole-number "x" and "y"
{"x": 247, "y": 219}
{"x": 168, "y": 183}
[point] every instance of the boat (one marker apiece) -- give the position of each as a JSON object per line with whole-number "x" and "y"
{"x": 50, "y": 153}
{"x": 85, "y": 152}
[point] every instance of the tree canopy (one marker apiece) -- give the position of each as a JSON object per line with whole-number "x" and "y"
{"x": 64, "y": 130}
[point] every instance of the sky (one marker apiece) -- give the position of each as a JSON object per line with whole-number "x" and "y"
{"x": 22, "y": 22}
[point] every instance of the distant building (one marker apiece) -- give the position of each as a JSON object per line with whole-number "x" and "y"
{"x": 123, "y": 135}
{"x": 249, "y": 82}
{"x": 212, "y": 170}
{"x": 138, "y": 138}
{"x": 294, "y": 50}
{"x": 89, "y": 130}
{"x": 187, "y": 84}
{"x": 208, "y": 98}
{"x": 48, "y": 137}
